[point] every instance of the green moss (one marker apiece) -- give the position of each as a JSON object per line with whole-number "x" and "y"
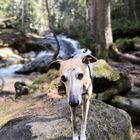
{"x": 103, "y": 69}
{"x": 118, "y": 100}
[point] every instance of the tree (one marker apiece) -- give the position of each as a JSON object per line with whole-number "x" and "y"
{"x": 100, "y": 20}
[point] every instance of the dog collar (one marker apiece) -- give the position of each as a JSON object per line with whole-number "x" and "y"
{"x": 91, "y": 78}
{"x": 85, "y": 93}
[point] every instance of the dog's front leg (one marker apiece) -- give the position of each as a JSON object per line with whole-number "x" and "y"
{"x": 74, "y": 126}
{"x": 85, "y": 109}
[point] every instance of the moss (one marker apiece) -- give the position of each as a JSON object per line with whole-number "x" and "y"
{"x": 103, "y": 69}
{"x": 117, "y": 101}
{"x": 10, "y": 110}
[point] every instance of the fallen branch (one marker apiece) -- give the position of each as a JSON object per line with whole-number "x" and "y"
{"x": 120, "y": 56}
{"x": 131, "y": 58}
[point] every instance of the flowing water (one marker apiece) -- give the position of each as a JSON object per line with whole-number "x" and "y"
{"x": 8, "y": 71}
{"x": 68, "y": 47}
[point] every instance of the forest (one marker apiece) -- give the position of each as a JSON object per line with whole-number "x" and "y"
{"x": 69, "y": 70}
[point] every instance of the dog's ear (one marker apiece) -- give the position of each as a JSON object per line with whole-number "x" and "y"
{"x": 89, "y": 59}
{"x": 55, "y": 65}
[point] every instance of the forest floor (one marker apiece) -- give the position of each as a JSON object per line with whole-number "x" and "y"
{"x": 48, "y": 105}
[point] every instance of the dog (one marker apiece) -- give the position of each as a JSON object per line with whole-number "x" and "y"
{"x": 76, "y": 75}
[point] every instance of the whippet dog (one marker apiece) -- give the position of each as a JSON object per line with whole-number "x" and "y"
{"x": 76, "y": 75}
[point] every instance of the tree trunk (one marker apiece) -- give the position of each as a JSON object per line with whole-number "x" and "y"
{"x": 92, "y": 15}
{"x": 102, "y": 26}
{"x": 52, "y": 30}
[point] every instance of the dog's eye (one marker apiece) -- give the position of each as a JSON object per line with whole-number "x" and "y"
{"x": 63, "y": 78}
{"x": 80, "y": 76}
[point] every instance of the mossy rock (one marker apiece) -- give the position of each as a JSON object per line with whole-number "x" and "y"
{"x": 108, "y": 82}
{"x": 102, "y": 69}
{"x": 104, "y": 76}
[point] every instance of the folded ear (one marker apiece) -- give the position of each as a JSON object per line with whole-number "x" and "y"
{"x": 55, "y": 65}
{"x": 89, "y": 59}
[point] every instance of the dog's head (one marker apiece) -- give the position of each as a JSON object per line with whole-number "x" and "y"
{"x": 75, "y": 74}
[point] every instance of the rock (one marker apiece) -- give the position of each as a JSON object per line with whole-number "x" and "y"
{"x": 104, "y": 122}
{"x": 107, "y": 122}
{"x": 108, "y": 82}
{"x": 134, "y": 93}
{"x": 8, "y": 56}
{"x": 21, "y": 88}
{"x": 103, "y": 69}
{"x": 131, "y": 105}
{"x": 122, "y": 86}
{"x": 39, "y": 64}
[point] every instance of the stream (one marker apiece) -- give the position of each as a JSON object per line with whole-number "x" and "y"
{"x": 68, "y": 47}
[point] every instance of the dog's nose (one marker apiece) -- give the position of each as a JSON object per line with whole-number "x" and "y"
{"x": 74, "y": 103}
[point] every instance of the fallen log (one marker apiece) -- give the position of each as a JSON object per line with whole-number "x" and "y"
{"x": 115, "y": 54}
{"x": 130, "y": 58}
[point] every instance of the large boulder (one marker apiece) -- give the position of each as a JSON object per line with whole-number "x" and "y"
{"x": 104, "y": 122}
{"x": 107, "y": 122}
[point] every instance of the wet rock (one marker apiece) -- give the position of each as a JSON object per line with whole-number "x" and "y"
{"x": 8, "y": 56}
{"x": 39, "y": 64}
{"x": 21, "y": 88}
